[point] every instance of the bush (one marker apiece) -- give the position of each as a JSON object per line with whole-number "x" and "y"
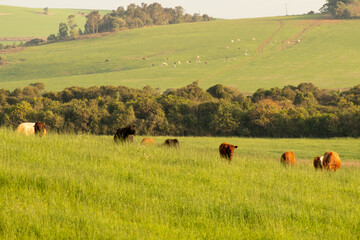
{"x": 34, "y": 42}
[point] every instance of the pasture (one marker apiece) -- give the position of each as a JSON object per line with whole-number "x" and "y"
{"x": 81, "y": 187}
{"x": 280, "y": 51}
{"x": 20, "y": 23}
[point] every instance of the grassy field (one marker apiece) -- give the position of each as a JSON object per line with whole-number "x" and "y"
{"x": 280, "y": 51}
{"x": 81, "y": 187}
{"x": 22, "y": 22}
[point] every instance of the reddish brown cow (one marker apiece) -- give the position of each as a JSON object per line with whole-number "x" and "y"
{"x": 40, "y": 128}
{"x": 331, "y": 161}
{"x": 227, "y": 151}
{"x": 148, "y": 141}
{"x": 318, "y": 162}
{"x": 288, "y": 158}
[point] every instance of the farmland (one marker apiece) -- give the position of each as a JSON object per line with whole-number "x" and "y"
{"x": 280, "y": 51}
{"x": 23, "y": 23}
{"x": 84, "y": 186}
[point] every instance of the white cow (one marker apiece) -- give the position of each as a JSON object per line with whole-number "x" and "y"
{"x": 26, "y": 128}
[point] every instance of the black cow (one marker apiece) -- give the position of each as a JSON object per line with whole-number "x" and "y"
{"x": 125, "y": 134}
{"x": 172, "y": 143}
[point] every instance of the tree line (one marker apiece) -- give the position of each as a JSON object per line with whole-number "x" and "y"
{"x": 302, "y": 111}
{"x": 133, "y": 16}
{"x": 342, "y": 9}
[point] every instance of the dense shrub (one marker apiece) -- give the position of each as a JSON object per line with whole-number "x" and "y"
{"x": 302, "y": 111}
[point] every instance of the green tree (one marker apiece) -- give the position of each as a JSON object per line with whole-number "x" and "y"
{"x": 92, "y": 23}
{"x": 63, "y": 30}
{"x": 74, "y": 31}
{"x": 52, "y": 38}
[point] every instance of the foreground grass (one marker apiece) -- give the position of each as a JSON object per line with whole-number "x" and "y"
{"x": 81, "y": 187}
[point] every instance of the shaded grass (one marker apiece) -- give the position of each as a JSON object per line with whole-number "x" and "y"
{"x": 67, "y": 186}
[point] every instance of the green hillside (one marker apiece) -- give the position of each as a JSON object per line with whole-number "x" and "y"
{"x": 87, "y": 187}
{"x": 280, "y": 51}
{"x": 23, "y": 23}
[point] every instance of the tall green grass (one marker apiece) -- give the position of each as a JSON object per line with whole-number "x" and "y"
{"x": 81, "y": 187}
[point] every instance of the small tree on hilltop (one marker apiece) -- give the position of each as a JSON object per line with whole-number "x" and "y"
{"x": 63, "y": 30}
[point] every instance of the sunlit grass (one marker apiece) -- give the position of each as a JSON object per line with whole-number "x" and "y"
{"x": 326, "y": 56}
{"x": 71, "y": 187}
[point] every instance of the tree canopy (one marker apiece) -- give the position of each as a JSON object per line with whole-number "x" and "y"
{"x": 291, "y": 111}
{"x": 342, "y": 9}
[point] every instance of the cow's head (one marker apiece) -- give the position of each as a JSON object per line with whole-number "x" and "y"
{"x": 130, "y": 130}
{"x": 230, "y": 149}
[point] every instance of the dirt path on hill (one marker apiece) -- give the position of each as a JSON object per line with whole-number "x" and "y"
{"x": 293, "y": 40}
{"x": 297, "y": 38}
{"x": 260, "y": 50}
{"x": 19, "y": 39}
{"x": 266, "y": 42}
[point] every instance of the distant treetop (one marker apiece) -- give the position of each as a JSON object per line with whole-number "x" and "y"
{"x": 343, "y": 9}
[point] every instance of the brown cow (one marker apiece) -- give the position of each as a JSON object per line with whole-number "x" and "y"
{"x": 331, "y": 161}
{"x": 318, "y": 162}
{"x": 227, "y": 151}
{"x": 148, "y": 141}
{"x": 288, "y": 158}
{"x": 40, "y": 128}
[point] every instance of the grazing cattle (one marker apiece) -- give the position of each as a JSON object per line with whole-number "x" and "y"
{"x": 172, "y": 143}
{"x": 40, "y": 128}
{"x": 125, "y": 134}
{"x": 148, "y": 141}
{"x": 288, "y": 158}
{"x": 227, "y": 151}
{"x": 331, "y": 161}
{"x": 318, "y": 162}
{"x": 26, "y": 128}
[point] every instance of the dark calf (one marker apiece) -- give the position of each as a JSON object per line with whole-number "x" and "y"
{"x": 125, "y": 134}
{"x": 172, "y": 142}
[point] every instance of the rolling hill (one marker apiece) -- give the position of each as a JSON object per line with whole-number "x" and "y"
{"x": 20, "y": 24}
{"x": 245, "y": 53}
